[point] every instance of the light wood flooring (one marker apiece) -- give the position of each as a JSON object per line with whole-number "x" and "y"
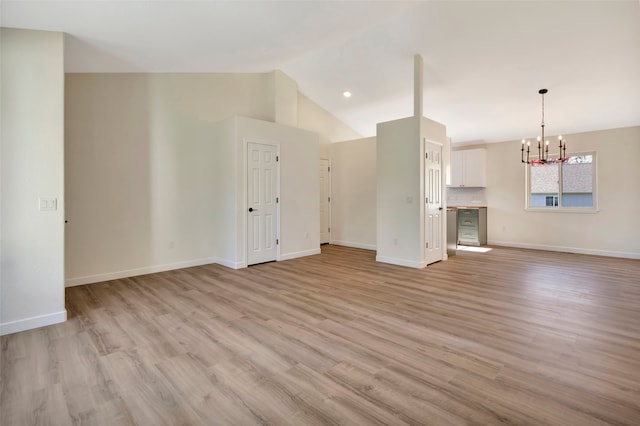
{"x": 506, "y": 337}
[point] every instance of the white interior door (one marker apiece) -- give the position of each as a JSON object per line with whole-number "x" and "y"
{"x": 262, "y": 193}
{"x": 324, "y": 201}
{"x": 433, "y": 198}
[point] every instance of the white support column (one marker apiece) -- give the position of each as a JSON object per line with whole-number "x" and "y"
{"x": 418, "y": 68}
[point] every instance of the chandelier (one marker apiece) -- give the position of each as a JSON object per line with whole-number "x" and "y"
{"x": 543, "y": 145}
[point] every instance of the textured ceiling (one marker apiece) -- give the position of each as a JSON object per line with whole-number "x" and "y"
{"x": 483, "y": 61}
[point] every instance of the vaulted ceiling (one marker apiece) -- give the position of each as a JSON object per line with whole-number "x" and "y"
{"x": 484, "y": 61}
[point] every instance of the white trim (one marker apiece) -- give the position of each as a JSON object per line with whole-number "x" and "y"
{"x": 562, "y": 209}
{"x": 354, "y": 245}
{"x": 33, "y": 322}
{"x": 296, "y": 254}
{"x": 577, "y": 250}
{"x": 89, "y": 279}
{"x": 231, "y": 264}
{"x": 329, "y": 191}
{"x": 401, "y": 262}
{"x": 443, "y": 203}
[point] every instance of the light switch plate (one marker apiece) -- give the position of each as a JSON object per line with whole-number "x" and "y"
{"x": 47, "y": 204}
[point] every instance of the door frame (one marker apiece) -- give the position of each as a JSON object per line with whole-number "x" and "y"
{"x": 245, "y": 202}
{"x": 329, "y": 194}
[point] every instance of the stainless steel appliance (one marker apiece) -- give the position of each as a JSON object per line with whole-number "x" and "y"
{"x": 452, "y": 231}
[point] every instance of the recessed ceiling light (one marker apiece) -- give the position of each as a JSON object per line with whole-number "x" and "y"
{"x": 346, "y": 94}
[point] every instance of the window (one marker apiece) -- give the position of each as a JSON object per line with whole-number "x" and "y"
{"x": 563, "y": 185}
{"x": 551, "y": 201}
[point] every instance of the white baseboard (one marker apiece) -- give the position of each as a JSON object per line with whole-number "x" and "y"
{"x": 354, "y": 245}
{"x": 577, "y": 250}
{"x": 33, "y": 322}
{"x": 89, "y": 279}
{"x": 231, "y": 264}
{"x": 401, "y": 262}
{"x": 288, "y": 256}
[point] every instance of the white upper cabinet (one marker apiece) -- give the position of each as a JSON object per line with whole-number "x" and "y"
{"x": 469, "y": 168}
{"x": 456, "y": 168}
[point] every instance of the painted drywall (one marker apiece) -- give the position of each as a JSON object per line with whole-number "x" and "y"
{"x": 139, "y": 181}
{"x": 145, "y": 189}
{"x": 225, "y": 214}
{"x": 32, "y": 115}
{"x": 299, "y": 186}
{"x": 283, "y": 98}
{"x": 613, "y": 230}
{"x": 353, "y": 193}
{"x": 400, "y": 189}
{"x": 398, "y": 182}
{"x": 313, "y": 117}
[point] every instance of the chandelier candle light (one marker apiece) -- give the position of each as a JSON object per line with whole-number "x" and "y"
{"x": 543, "y": 145}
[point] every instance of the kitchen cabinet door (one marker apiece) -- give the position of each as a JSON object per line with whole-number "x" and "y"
{"x": 468, "y": 168}
{"x": 474, "y": 167}
{"x": 457, "y": 168}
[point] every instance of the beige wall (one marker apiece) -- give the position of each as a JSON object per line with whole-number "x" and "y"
{"x": 400, "y": 189}
{"x": 283, "y": 99}
{"x": 353, "y": 193}
{"x": 613, "y": 230}
{"x": 313, "y": 117}
{"x": 225, "y": 214}
{"x": 32, "y": 250}
{"x": 145, "y": 191}
{"x": 610, "y": 231}
{"x": 398, "y": 196}
{"x": 138, "y": 170}
{"x": 299, "y": 187}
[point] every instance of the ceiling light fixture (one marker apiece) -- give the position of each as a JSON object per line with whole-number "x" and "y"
{"x": 543, "y": 145}
{"x": 346, "y": 94}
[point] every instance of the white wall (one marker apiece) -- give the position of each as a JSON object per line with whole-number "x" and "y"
{"x": 225, "y": 217}
{"x": 399, "y": 200}
{"x": 433, "y": 131}
{"x": 140, "y": 186}
{"x": 283, "y": 99}
{"x": 32, "y": 248}
{"x": 353, "y": 193}
{"x": 145, "y": 191}
{"x": 400, "y": 189}
{"x": 612, "y": 231}
{"x": 299, "y": 186}
{"x": 315, "y": 118}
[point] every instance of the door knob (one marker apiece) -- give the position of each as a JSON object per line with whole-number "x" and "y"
{"x": 439, "y": 208}
{"x": 251, "y": 209}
